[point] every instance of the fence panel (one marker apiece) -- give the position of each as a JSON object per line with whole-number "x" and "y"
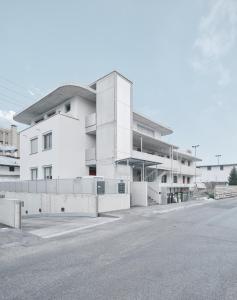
{"x": 67, "y": 186}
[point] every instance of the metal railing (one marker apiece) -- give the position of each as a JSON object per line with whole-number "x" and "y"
{"x": 93, "y": 185}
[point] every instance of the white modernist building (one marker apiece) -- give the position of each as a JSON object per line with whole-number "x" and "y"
{"x": 215, "y": 174}
{"x": 78, "y": 131}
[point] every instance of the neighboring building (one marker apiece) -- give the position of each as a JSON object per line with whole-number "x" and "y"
{"x": 9, "y": 141}
{"x": 215, "y": 174}
{"x": 9, "y": 169}
{"x": 92, "y": 130}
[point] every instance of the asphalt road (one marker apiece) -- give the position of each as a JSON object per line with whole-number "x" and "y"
{"x": 185, "y": 254}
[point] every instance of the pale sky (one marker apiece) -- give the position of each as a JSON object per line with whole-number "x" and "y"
{"x": 180, "y": 55}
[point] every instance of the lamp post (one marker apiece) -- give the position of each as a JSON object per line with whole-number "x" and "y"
{"x": 195, "y": 153}
{"x": 218, "y": 156}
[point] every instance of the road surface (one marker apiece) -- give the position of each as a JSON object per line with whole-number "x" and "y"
{"x": 185, "y": 254}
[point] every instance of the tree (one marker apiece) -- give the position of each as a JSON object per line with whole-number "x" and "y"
{"x": 233, "y": 177}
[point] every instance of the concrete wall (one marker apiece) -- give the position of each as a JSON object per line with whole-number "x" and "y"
{"x": 52, "y": 203}
{"x": 113, "y": 202}
{"x": 82, "y": 204}
{"x": 221, "y": 192}
{"x": 10, "y": 212}
{"x": 139, "y": 193}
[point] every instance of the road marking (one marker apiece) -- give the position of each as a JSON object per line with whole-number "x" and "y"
{"x": 73, "y": 230}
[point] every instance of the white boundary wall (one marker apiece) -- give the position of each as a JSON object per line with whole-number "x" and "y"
{"x": 222, "y": 192}
{"x": 113, "y": 202}
{"x": 10, "y": 212}
{"x": 79, "y": 204}
{"x": 139, "y": 193}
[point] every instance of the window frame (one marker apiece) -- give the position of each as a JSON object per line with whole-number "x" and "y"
{"x": 49, "y": 133}
{"x": 51, "y": 172}
{"x": 33, "y": 139}
{"x": 31, "y": 173}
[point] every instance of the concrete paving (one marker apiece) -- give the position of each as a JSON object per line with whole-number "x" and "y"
{"x": 188, "y": 254}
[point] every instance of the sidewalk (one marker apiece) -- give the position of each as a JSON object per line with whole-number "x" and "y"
{"x": 163, "y": 209}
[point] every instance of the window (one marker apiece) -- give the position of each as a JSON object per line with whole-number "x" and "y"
{"x": 209, "y": 168}
{"x": 221, "y": 168}
{"x": 50, "y": 114}
{"x": 48, "y": 172}
{"x": 175, "y": 179}
{"x": 34, "y": 145}
{"x": 11, "y": 169}
{"x": 189, "y": 163}
{"x": 188, "y": 180}
{"x": 184, "y": 179}
{"x": 39, "y": 120}
{"x": 67, "y": 107}
{"x": 47, "y": 141}
{"x": 183, "y": 161}
{"x": 164, "y": 179}
{"x": 34, "y": 173}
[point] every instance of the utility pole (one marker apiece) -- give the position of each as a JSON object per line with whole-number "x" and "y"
{"x": 195, "y": 153}
{"x": 218, "y": 156}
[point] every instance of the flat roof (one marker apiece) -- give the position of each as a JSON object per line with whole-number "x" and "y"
{"x": 54, "y": 99}
{"x": 163, "y": 129}
{"x": 216, "y": 165}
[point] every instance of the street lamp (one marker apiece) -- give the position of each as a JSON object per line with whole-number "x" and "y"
{"x": 218, "y": 158}
{"x": 195, "y": 153}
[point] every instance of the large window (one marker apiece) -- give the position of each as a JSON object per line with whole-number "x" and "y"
{"x": 209, "y": 168}
{"x": 221, "y": 168}
{"x": 175, "y": 179}
{"x": 34, "y": 145}
{"x": 48, "y": 172}
{"x": 47, "y": 141}
{"x": 34, "y": 173}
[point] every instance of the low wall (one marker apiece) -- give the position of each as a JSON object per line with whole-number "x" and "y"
{"x": 79, "y": 204}
{"x": 10, "y": 212}
{"x": 40, "y": 203}
{"x": 112, "y": 202}
{"x": 221, "y": 192}
{"x": 139, "y": 193}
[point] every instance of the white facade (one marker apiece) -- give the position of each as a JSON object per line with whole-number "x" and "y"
{"x": 215, "y": 173}
{"x": 94, "y": 131}
{"x": 9, "y": 169}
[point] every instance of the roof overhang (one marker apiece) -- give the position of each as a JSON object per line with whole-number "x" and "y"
{"x": 135, "y": 162}
{"x": 54, "y": 99}
{"x": 187, "y": 156}
{"x": 164, "y": 130}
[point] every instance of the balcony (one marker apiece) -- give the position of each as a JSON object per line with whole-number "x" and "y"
{"x": 164, "y": 163}
{"x": 90, "y": 123}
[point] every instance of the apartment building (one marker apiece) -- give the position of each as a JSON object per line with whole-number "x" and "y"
{"x": 215, "y": 174}
{"x": 9, "y": 169}
{"x": 78, "y": 131}
{"x": 9, "y": 141}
